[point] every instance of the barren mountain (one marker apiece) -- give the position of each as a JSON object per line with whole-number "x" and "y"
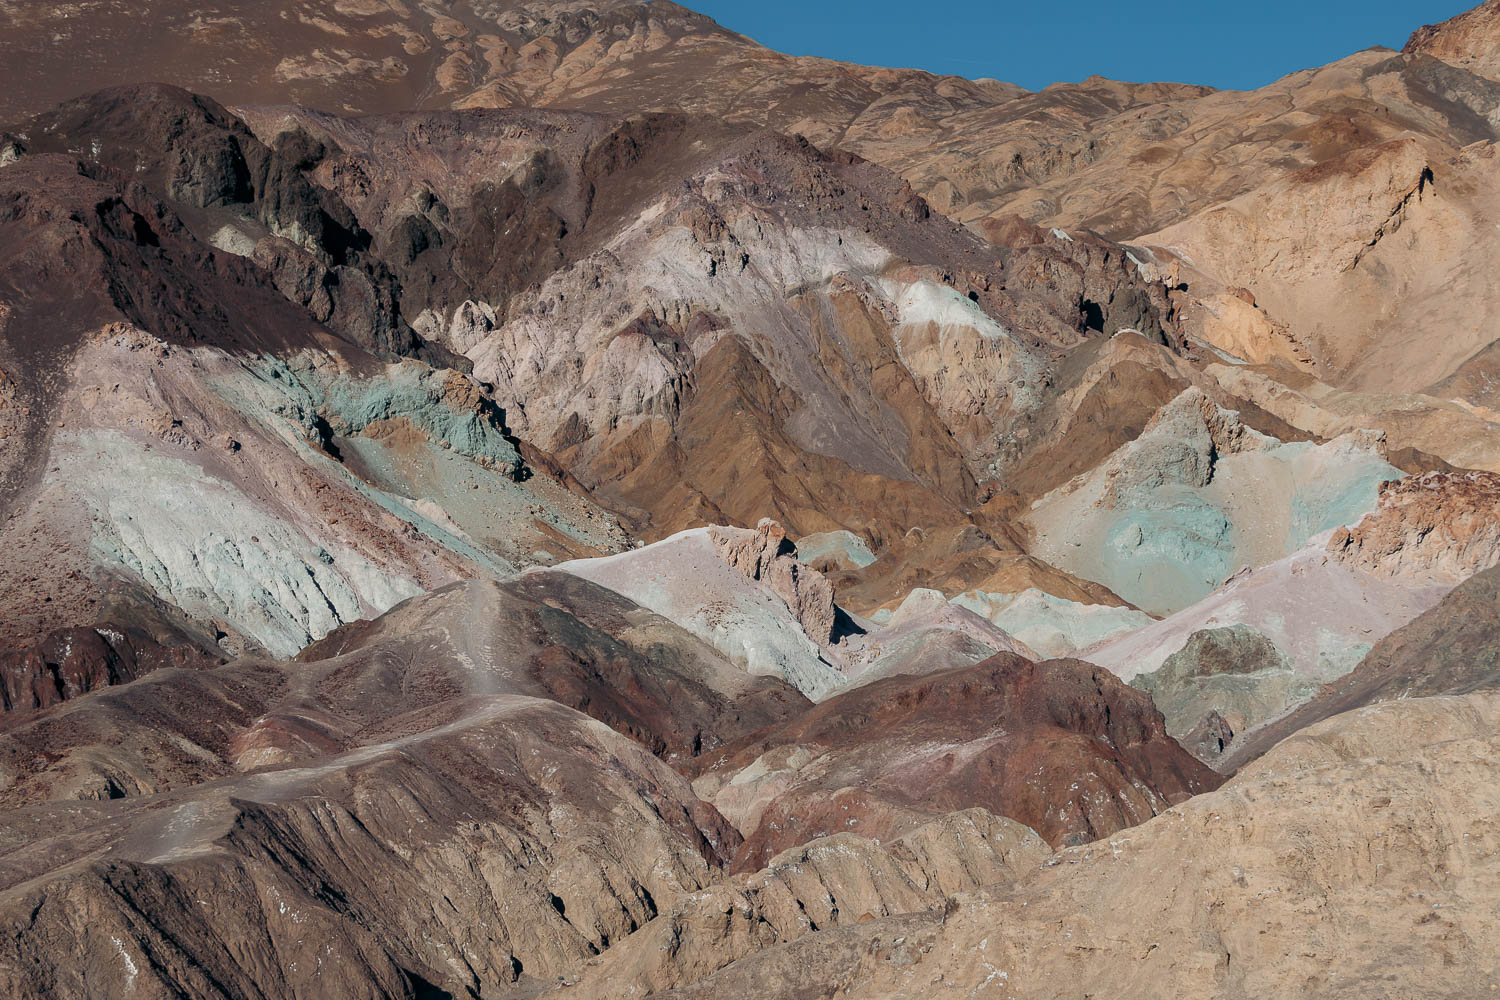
{"x": 551, "y": 497}
{"x": 1356, "y": 857}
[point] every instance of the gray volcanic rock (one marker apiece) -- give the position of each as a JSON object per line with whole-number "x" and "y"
{"x": 230, "y": 190}
{"x": 1209, "y": 740}
{"x": 1233, "y": 673}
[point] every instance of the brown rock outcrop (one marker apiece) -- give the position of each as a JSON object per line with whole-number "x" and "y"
{"x": 68, "y": 662}
{"x": 1443, "y": 526}
{"x": 487, "y": 841}
{"x": 765, "y": 554}
{"x": 442, "y": 752}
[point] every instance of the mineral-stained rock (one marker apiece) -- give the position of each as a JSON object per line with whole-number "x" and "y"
{"x": 1453, "y": 648}
{"x": 927, "y": 635}
{"x": 1233, "y": 671}
{"x": 1445, "y": 526}
{"x": 1198, "y": 495}
{"x": 747, "y": 611}
{"x": 1209, "y": 739}
{"x": 441, "y": 752}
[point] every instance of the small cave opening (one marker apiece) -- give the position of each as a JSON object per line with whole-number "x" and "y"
{"x": 1093, "y": 315}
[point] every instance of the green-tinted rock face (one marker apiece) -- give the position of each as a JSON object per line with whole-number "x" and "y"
{"x": 445, "y": 405}
{"x": 1167, "y": 517}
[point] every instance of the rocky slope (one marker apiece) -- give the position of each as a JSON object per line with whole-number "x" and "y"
{"x": 549, "y": 496}
{"x": 1262, "y": 645}
{"x": 490, "y": 762}
{"x": 1197, "y": 496}
{"x": 883, "y": 757}
{"x": 1449, "y": 649}
{"x": 1358, "y": 856}
{"x": 282, "y": 478}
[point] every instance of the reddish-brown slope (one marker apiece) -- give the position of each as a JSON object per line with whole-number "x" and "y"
{"x": 1061, "y": 746}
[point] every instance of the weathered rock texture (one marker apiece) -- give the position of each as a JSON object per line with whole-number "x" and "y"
{"x": 69, "y": 662}
{"x": 1197, "y": 496}
{"x": 1441, "y": 526}
{"x": 440, "y": 752}
{"x": 884, "y": 757}
{"x": 1358, "y": 857}
{"x": 1228, "y": 678}
{"x": 766, "y": 555}
{"x": 835, "y": 881}
{"x": 130, "y": 342}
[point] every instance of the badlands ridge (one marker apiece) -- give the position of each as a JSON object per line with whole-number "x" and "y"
{"x": 550, "y": 497}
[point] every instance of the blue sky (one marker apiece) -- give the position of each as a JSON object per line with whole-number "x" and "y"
{"x": 1223, "y": 43}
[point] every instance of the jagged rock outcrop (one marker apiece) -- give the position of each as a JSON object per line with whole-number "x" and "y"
{"x": 1209, "y": 740}
{"x": 1443, "y": 526}
{"x": 238, "y": 195}
{"x": 765, "y": 554}
{"x": 1470, "y": 40}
